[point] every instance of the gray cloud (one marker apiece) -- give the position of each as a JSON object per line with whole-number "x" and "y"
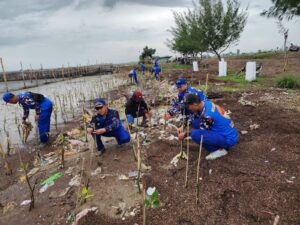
{"x": 10, "y": 9}
{"x": 163, "y": 3}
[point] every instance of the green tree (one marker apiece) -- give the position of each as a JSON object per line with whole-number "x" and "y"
{"x": 147, "y": 52}
{"x": 221, "y": 26}
{"x": 187, "y": 38}
{"x": 283, "y": 9}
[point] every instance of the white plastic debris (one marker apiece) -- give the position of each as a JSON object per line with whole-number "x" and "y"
{"x": 254, "y": 126}
{"x": 83, "y": 213}
{"x": 273, "y": 149}
{"x": 75, "y": 181}
{"x": 151, "y": 190}
{"x": 244, "y": 132}
{"x": 210, "y": 171}
{"x": 25, "y": 202}
{"x": 96, "y": 171}
{"x": 46, "y": 186}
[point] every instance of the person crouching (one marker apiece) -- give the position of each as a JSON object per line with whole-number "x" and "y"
{"x": 107, "y": 123}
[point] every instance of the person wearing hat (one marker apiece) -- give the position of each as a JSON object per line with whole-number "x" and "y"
{"x": 156, "y": 71}
{"x": 178, "y": 104}
{"x": 107, "y": 123}
{"x": 133, "y": 76}
{"x": 143, "y": 68}
{"x": 42, "y": 106}
{"x": 137, "y": 107}
{"x": 212, "y": 123}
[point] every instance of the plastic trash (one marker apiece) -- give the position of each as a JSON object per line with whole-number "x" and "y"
{"x": 46, "y": 186}
{"x": 25, "y": 202}
{"x": 52, "y": 178}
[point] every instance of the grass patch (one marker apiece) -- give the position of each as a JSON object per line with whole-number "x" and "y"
{"x": 178, "y": 66}
{"x": 288, "y": 81}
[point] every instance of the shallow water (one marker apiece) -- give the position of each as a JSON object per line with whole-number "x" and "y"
{"x": 67, "y": 97}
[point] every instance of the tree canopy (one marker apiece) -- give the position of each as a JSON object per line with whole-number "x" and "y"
{"x": 283, "y": 9}
{"x": 209, "y": 26}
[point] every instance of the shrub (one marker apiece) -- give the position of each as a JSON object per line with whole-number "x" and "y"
{"x": 288, "y": 81}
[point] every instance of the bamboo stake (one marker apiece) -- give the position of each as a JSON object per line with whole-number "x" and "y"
{"x": 206, "y": 84}
{"x": 133, "y": 148}
{"x": 187, "y": 157}
{"x": 144, "y": 208}
{"x": 139, "y": 162}
{"x": 4, "y": 74}
{"x": 198, "y": 171}
{"x": 23, "y": 76}
{"x": 276, "y": 220}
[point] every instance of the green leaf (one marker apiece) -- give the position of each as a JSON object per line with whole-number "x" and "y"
{"x": 84, "y": 191}
{"x": 147, "y": 202}
{"x": 88, "y": 196}
{"x": 154, "y": 195}
{"x": 156, "y": 203}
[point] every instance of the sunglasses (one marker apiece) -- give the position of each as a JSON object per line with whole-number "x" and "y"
{"x": 99, "y": 108}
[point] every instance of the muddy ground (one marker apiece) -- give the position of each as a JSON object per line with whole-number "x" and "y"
{"x": 257, "y": 180}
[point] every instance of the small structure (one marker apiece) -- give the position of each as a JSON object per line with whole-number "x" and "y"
{"x": 195, "y": 66}
{"x": 250, "y": 71}
{"x": 222, "y": 68}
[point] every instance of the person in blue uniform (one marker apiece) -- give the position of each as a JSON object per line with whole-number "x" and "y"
{"x": 212, "y": 123}
{"x": 133, "y": 76}
{"x": 107, "y": 123}
{"x": 42, "y": 106}
{"x": 156, "y": 71}
{"x": 178, "y": 105}
{"x": 143, "y": 68}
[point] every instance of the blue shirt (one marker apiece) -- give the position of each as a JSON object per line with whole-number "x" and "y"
{"x": 29, "y": 100}
{"x": 178, "y": 104}
{"x": 214, "y": 118}
{"x": 110, "y": 122}
{"x": 132, "y": 73}
{"x": 143, "y": 67}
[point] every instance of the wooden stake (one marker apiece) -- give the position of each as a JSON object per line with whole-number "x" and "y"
{"x": 139, "y": 162}
{"x": 188, "y": 156}
{"x": 206, "y": 84}
{"x": 4, "y": 74}
{"x": 198, "y": 171}
{"x": 276, "y": 220}
{"x": 144, "y": 208}
{"x": 23, "y": 76}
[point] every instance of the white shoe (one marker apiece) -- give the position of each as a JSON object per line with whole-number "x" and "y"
{"x": 216, "y": 154}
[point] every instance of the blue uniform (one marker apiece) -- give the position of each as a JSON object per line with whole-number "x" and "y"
{"x": 43, "y": 108}
{"x": 143, "y": 68}
{"x": 113, "y": 127}
{"x": 133, "y": 75}
{"x": 156, "y": 62}
{"x": 156, "y": 70}
{"x": 215, "y": 126}
{"x": 178, "y": 105}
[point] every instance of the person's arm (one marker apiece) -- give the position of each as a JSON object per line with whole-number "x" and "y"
{"x": 115, "y": 122}
{"x": 176, "y": 107}
{"x": 25, "y": 113}
{"x": 91, "y": 126}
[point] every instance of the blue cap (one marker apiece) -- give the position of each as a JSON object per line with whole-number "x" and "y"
{"x": 99, "y": 102}
{"x": 7, "y": 96}
{"x": 180, "y": 82}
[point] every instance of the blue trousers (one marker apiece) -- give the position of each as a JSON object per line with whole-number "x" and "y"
{"x": 44, "y": 120}
{"x": 156, "y": 75}
{"x": 121, "y": 135}
{"x": 212, "y": 141}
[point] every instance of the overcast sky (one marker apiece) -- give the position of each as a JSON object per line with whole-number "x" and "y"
{"x": 56, "y": 32}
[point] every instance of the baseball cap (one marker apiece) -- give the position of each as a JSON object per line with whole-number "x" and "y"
{"x": 7, "y": 96}
{"x": 180, "y": 82}
{"x": 99, "y": 102}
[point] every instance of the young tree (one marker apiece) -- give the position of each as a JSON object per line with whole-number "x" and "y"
{"x": 187, "y": 38}
{"x": 283, "y": 9}
{"x": 221, "y": 27}
{"x": 147, "y": 52}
